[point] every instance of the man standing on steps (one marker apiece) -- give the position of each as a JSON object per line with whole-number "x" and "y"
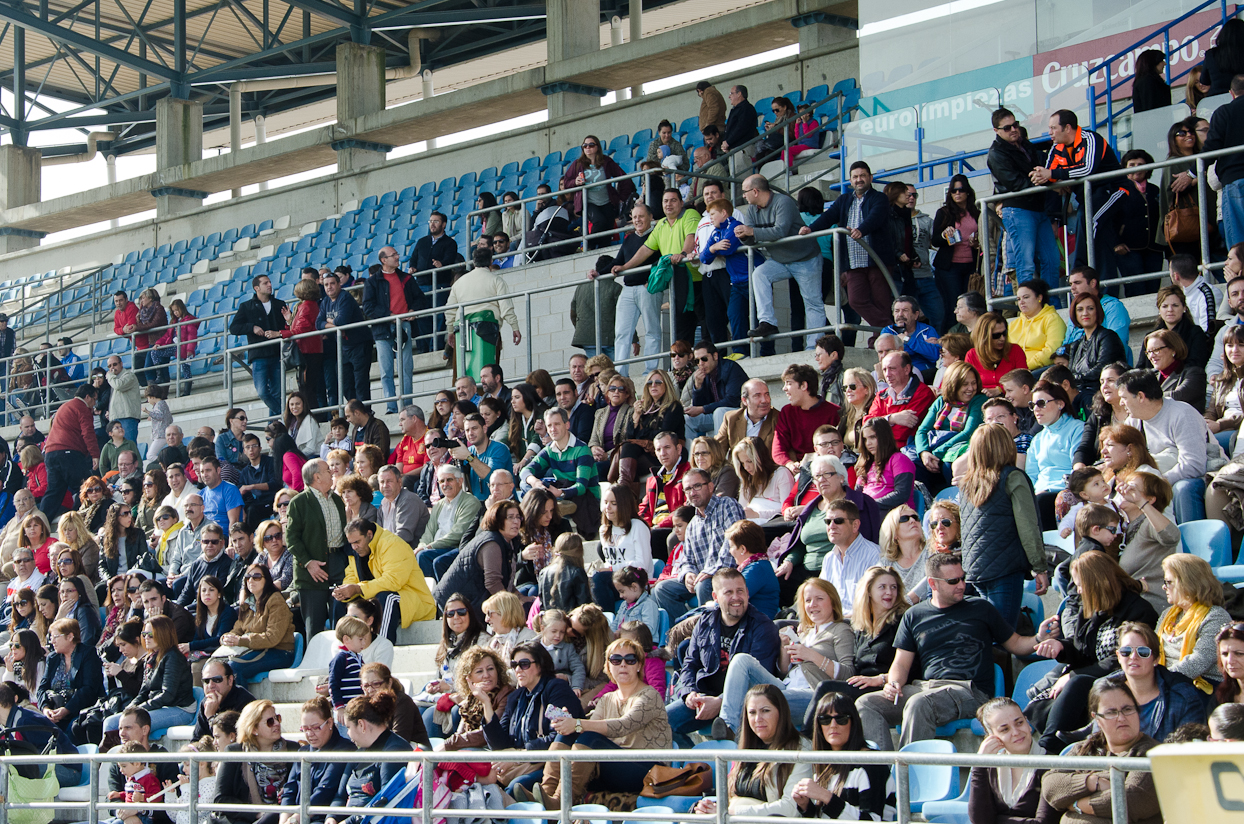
{"x": 71, "y": 450}
{"x": 316, "y": 537}
{"x": 478, "y": 325}
{"x": 634, "y": 302}
{"x": 432, "y": 251}
{"x": 338, "y": 308}
{"x": 260, "y": 319}
{"x": 388, "y": 293}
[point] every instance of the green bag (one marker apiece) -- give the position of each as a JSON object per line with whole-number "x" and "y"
{"x": 29, "y": 790}
{"x": 660, "y": 276}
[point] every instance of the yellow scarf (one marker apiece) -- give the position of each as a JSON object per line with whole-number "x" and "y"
{"x": 1187, "y": 624}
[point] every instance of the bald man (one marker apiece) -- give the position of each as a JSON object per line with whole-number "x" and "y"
{"x": 387, "y": 293}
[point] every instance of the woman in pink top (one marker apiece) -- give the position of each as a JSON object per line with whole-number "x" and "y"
{"x": 287, "y": 459}
{"x": 955, "y": 239}
{"x": 883, "y": 472}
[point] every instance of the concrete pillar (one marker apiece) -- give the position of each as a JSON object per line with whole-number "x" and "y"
{"x": 111, "y": 160}
{"x": 21, "y": 175}
{"x": 261, "y": 137}
{"x": 573, "y": 28}
{"x": 615, "y": 39}
{"x": 360, "y": 92}
{"x": 637, "y": 33}
{"x": 179, "y": 142}
{"x": 843, "y": 45}
{"x": 426, "y": 76}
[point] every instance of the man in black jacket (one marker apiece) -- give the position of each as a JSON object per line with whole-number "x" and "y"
{"x": 221, "y": 693}
{"x": 260, "y": 319}
{"x": 741, "y": 122}
{"x": 388, "y": 292}
{"x": 432, "y": 251}
{"x": 1226, "y": 128}
{"x": 338, "y": 308}
{"x": 1031, "y": 247}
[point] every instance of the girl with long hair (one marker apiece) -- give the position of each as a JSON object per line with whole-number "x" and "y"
{"x": 589, "y": 630}
{"x": 657, "y": 409}
{"x": 442, "y": 407}
{"x": 525, "y": 409}
{"x": 287, "y": 457}
{"x": 36, "y": 537}
{"x": 625, "y": 540}
{"x": 264, "y": 626}
{"x": 1177, "y": 184}
{"x": 116, "y": 607}
{"x": 1123, "y": 452}
{"x": 1226, "y": 404}
{"x": 1149, "y": 87}
{"x": 47, "y": 605}
{"x": 1230, "y": 644}
{"x": 1007, "y": 794}
{"x": 564, "y": 583}
{"x": 943, "y": 434}
{"x": 25, "y": 613}
{"x": 213, "y": 617}
{"x": 155, "y": 488}
{"x": 1174, "y": 316}
{"x": 462, "y": 627}
{"x": 1107, "y": 410}
{"x": 482, "y": 684}
{"x": 542, "y": 524}
{"x": 123, "y": 542}
{"x": 903, "y": 550}
{"x": 24, "y": 660}
{"x": 598, "y": 205}
{"x": 763, "y": 484}
{"x": 301, "y": 424}
{"x": 1049, "y": 454}
{"x": 72, "y": 532}
{"x": 842, "y": 791}
{"x": 612, "y": 425}
{"x": 167, "y": 690}
{"x": 883, "y": 472}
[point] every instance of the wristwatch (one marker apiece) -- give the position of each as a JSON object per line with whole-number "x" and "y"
{"x": 578, "y": 725}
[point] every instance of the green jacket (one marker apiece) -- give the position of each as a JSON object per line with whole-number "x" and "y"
{"x": 307, "y": 539}
{"x": 468, "y": 508}
{"x": 109, "y": 452}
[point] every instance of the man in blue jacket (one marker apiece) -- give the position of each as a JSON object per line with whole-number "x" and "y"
{"x": 338, "y": 308}
{"x": 864, "y": 212}
{"x": 919, "y": 339}
{"x": 713, "y": 389}
{"x": 732, "y": 627}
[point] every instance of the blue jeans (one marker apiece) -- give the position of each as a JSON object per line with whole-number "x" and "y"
{"x": 1224, "y": 440}
{"x": 746, "y": 672}
{"x": 607, "y": 351}
{"x": 1189, "y": 500}
{"x": 1232, "y": 201}
{"x": 673, "y": 597}
{"x": 1031, "y": 245}
{"x": 1005, "y": 593}
{"x": 621, "y": 776}
{"x": 930, "y": 297}
{"x": 386, "y": 349}
{"x": 161, "y": 718}
{"x": 807, "y": 273}
{"x": 707, "y": 424}
{"x": 635, "y": 302}
{"x": 130, "y": 425}
{"x": 425, "y": 557}
{"x": 271, "y": 659}
{"x": 434, "y": 729}
{"x": 683, "y": 722}
{"x": 267, "y": 374}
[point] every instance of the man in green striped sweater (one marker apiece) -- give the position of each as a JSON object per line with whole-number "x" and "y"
{"x": 569, "y": 462}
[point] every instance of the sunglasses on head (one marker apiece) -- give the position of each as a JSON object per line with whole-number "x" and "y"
{"x": 825, "y": 719}
{"x": 630, "y": 659}
{"x": 462, "y": 612}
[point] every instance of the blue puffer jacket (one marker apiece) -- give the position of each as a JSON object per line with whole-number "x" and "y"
{"x": 523, "y": 725}
{"x": 363, "y": 781}
{"x": 323, "y": 779}
{"x": 757, "y": 636}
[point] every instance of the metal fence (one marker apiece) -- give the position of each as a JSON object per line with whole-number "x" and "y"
{"x": 899, "y": 761}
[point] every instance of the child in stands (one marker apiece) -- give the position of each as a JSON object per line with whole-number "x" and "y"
{"x": 1084, "y": 486}
{"x": 344, "y": 669}
{"x": 563, "y": 583}
{"x": 161, "y": 418}
{"x": 553, "y": 625}
{"x": 140, "y": 785}
{"x": 637, "y": 603}
{"x": 339, "y": 438}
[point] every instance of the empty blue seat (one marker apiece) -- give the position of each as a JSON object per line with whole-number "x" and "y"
{"x": 180, "y": 246}
{"x": 265, "y": 226}
{"x": 369, "y": 203}
{"x": 642, "y": 138}
{"x": 408, "y": 194}
{"x": 530, "y": 164}
{"x": 510, "y": 168}
{"x": 691, "y": 124}
{"x": 195, "y": 243}
{"x": 1210, "y": 540}
{"x": 572, "y": 154}
{"x": 467, "y": 180}
{"x": 447, "y": 185}
{"x": 488, "y": 174}
{"x": 816, "y": 94}
{"x": 619, "y": 143}
{"x": 928, "y": 782}
{"x": 248, "y": 230}
{"x": 551, "y": 158}
{"x": 795, "y": 97}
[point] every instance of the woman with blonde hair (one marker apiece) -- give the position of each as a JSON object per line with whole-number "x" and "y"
{"x": 1001, "y": 538}
{"x": 763, "y": 484}
{"x": 482, "y": 686}
{"x": 657, "y": 409}
{"x": 590, "y": 633}
{"x": 1173, "y": 316}
{"x": 859, "y": 388}
{"x": 255, "y": 781}
{"x": 823, "y": 649}
{"x": 504, "y": 614}
{"x": 709, "y": 454}
{"x": 903, "y": 550}
{"x": 1189, "y": 627}
{"x": 993, "y": 355}
{"x": 72, "y": 531}
{"x": 944, "y": 526}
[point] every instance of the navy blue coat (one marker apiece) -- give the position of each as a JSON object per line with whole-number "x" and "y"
{"x": 348, "y": 312}
{"x": 729, "y": 379}
{"x": 874, "y": 220}
{"x": 757, "y": 636}
{"x": 86, "y": 680}
{"x": 210, "y": 641}
{"x": 523, "y": 725}
{"x": 323, "y": 779}
{"x": 363, "y": 781}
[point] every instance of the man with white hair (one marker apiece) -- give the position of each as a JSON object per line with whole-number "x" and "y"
{"x": 449, "y": 520}
{"x": 316, "y": 537}
{"x": 174, "y": 438}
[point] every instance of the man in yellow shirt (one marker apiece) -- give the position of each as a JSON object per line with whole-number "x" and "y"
{"x": 675, "y": 236}
{"x": 384, "y": 570}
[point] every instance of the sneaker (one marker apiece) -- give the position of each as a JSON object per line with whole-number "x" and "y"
{"x": 721, "y": 730}
{"x": 763, "y": 330}
{"x": 566, "y": 508}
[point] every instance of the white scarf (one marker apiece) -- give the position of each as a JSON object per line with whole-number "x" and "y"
{"x": 1011, "y": 791}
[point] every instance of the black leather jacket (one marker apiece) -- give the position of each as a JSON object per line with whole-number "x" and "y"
{"x": 1089, "y": 355}
{"x": 1010, "y": 165}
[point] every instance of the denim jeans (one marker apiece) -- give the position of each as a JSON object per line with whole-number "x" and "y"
{"x": 746, "y": 672}
{"x": 1232, "y": 201}
{"x": 637, "y": 302}
{"x": 807, "y": 273}
{"x": 161, "y": 718}
{"x": 707, "y": 424}
{"x": 425, "y": 557}
{"x": 930, "y": 297}
{"x": 1031, "y": 246}
{"x": 1005, "y": 593}
{"x": 267, "y": 374}
{"x": 673, "y": 597}
{"x": 66, "y": 470}
{"x": 1224, "y": 440}
{"x": 243, "y": 669}
{"x": 386, "y": 349}
{"x": 683, "y": 722}
{"x": 1189, "y": 500}
{"x": 130, "y": 425}
{"x": 355, "y": 374}
{"x": 607, "y": 351}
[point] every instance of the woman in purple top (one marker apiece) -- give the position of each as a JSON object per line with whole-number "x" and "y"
{"x": 613, "y": 425}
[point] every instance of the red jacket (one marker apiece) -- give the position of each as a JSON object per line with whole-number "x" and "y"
{"x": 304, "y": 321}
{"x": 674, "y": 496}
{"x": 188, "y": 331}
{"x": 124, "y": 317}
{"x": 73, "y": 428}
{"x": 990, "y": 378}
{"x": 919, "y": 402}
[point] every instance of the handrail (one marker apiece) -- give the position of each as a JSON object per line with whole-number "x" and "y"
{"x": 898, "y": 760}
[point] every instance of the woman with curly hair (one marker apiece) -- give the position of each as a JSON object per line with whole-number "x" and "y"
{"x": 357, "y": 494}
{"x": 94, "y": 500}
{"x": 482, "y": 685}
{"x": 255, "y": 781}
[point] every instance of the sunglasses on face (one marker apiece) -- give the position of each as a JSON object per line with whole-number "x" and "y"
{"x": 704, "y": 359}
{"x": 65, "y": 562}
{"x": 131, "y": 590}
{"x": 825, "y": 719}
{"x": 209, "y": 542}
{"x": 959, "y": 191}
{"x": 850, "y": 387}
{"x": 951, "y": 581}
{"x": 998, "y": 335}
{"x": 835, "y": 521}
{"x": 630, "y": 659}
{"x": 1009, "y": 127}
{"x": 524, "y": 664}
{"x": 213, "y": 679}
{"x": 902, "y": 519}
{"x": 1141, "y": 652}
{"x": 456, "y": 613}
{"x": 147, "y": 484}
{"x": 276, "y": 536}
{"x": 254, "y": 576}
{"x": 272, "y": 721}
{"x": 942, "y": 522}
{"x": 590, "y": 145}
{"x": 1184, "y": 133}
{"x": 1039, "y": 404}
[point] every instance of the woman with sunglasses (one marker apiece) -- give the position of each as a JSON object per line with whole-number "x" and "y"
{"x": 154, "y": 488}
{"x": 24, "y": 660}
{"x": 1007, "y": 794}
{"x": 1177, "y": 184}
{"x": 270, "y": 536}
{"x": 1098, "y": 348}
{"x": 462, "y": 627}
{"x": 859, "y": 388}
{"x": 1049, "y": 454}
{"x": 658, "y": 409}
{"x": 903, "y": 550}
{"x": 1174, "y": 316}
{"x": 265, "y": 627}
{"x": 992, "y": 354}
{"x": 840, "y": 791}
{"x": 323, "y": 777}
{"x": 75, "y": 604}
{"x": 956, "y": 239}
{"x": 1150, "y": 534}
{"x": 1107, "y": 410}
{"x": 602, "y": 202}
{"x": 74, "y": 677}
{"x": 228, "y": 443}
{"x": 612, "y": 425}
{"x": 632, "y": 717}
{"x": 24, "y": 614}
{"x": 442, "y": 407}
{"x": 1189, "y": 626}
{"x": 1181, "y": 381}
{"x": 212, "y": 619}
{"x": 167, "y": 692}
{"x": 525, "y": 724}
{"x": 764, "y": 788}
{"x": 258, "y": 782}
{"x": 1102, "y": 599}
{"x": 482, "y": 685}
{"x": 1084, "y": 795}
{"x": 1002, "y": 540}
{"x": 69, "y": 565}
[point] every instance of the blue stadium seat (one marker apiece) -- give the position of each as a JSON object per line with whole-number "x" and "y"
{"x": 510, "y": 168}
{"x": 265, "y": 226}
{"x": 447, "y": 185}
{"x": 552, "y": 174}
{"x": 691, "y": 124}
{"x": 530, "y": 164}
{"x": 427, "y": 189}
{"x": 467, "y": 180}
{"x": 1210, "y": 540}
{"x": 369, "y": 203}
{"x": 795, "y": 97}
{"x": 408, "y": 194}
{"x": 551, "y": 158}
{"x": 1028, "y": 676}
{"x": 164, "y": 250}
{"x": 816, "y": 94}
{"x": 618, "y": 143}
{"x": 929, "y": 782}
{"x": 642, "y": 138}
{"x": 488, "y": 174}
{"x": 181, "y": 246}
{"x": 764, "y": 107}
{"x": 572, "y": 154}
{"x": 248, "y": 231}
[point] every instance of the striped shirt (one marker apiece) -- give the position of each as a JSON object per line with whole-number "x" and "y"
{"x": 574, "y": 465}
{"x": 344, "y": 677}
{"x": 704, "y": 547}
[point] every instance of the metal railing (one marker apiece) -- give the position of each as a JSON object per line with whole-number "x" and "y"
{"x": 1084, "y": 190}
{"x": 426, "y": 813}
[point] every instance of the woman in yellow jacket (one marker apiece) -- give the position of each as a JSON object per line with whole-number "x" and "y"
{"x": 1039, "y": 330}
{"x": 395, "y": 577}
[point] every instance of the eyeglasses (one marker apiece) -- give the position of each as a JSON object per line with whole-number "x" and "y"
{"x": 1115, "y": 715}
{"x": 825, "y": 719}
{"x": 951, "y": 581}
{"x": 1167, "y": 583}
{"x": 314, "y": 727}
{"x": 998, "y": 335}
{"x": 254, "y": 576}
{"x": 630, "y": 659}
{"x": 275, "y": 536}
{"x": 457, "y": 613}
{"x": 524, "y": 664}
{"x": 213, "y": 679}
{"x": 835, "y": 521}
{"x": 1141, "y": 652}
{"x": 902, "y": 519}
{"x": 1008, "y": 127}
{"x": 1040, "y": 404}
{"x": 693, "y": 487}
{"x": 272, "y": 721}
{"x": 209, "y": 542}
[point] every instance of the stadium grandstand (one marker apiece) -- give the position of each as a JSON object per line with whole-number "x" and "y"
{"x": 712, "y": 375}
